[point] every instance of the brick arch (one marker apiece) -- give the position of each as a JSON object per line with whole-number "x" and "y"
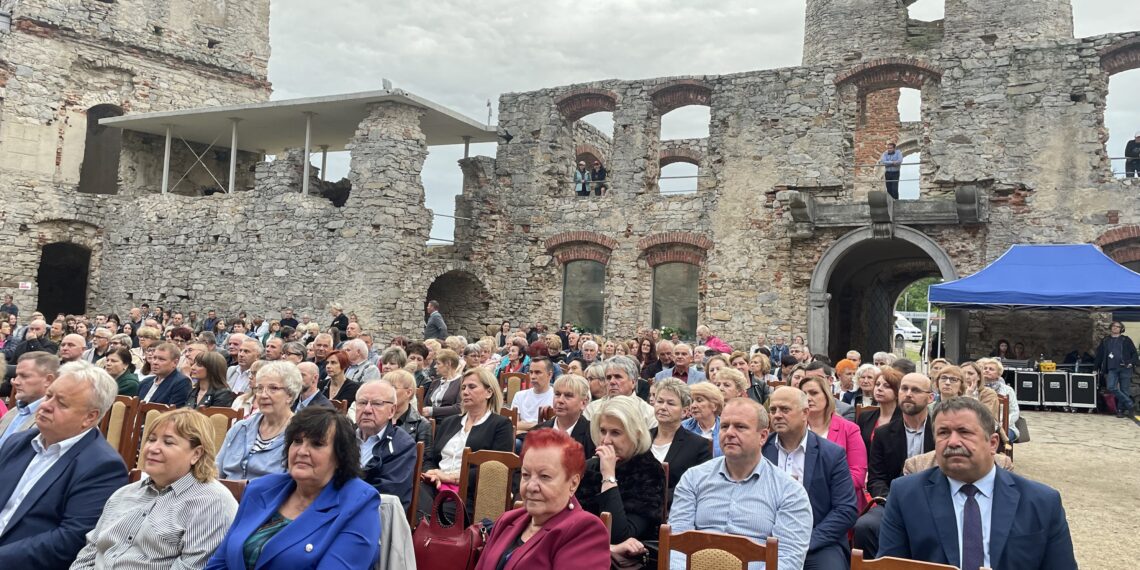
{"x": 1116, "y": 235}
{"x": 1121, "y": 56}
{"x": 675, "y": 247}
{"x": 581, "y": 102}
{"x": 580, "y": 245}
{"x": 680, "y": 94}
{"x": 700, "y": 242}
{"x": 888, "y": 73}
{"x": 669, "y": 156}
{"x": 589, "y": 153}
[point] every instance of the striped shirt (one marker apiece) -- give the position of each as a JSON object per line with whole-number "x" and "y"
{"x": 767, "y": 503}
{"x": 143, "y": 528}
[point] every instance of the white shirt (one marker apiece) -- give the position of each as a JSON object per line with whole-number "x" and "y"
{"x": 567, "y": 431}
{"x": 44, "y": 460}
{"x": 153, "y": 389}
{"x": 437, "y": 396}
{"x": 451, "y": 458}
{"x": 527, "y": 402}
{"x": 985, "y": 499}
{"x": 792, "y": 461}
{"x": 238, "y": 379}
{"x": 660, "y": 451}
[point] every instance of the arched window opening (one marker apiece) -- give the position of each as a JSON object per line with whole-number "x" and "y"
{"x": 688, "y": 122}
{"x": 678, "y": 178}
{"x": 675, "y": 298}
{"x": 926, "y": 10}
{"x": 583, "y": 294}
{"x": 62, "y": 279}
{"x": 910, "y": 320}
{"x": 99, "y": 173}
{"x": 1122, "y": 121}
{"x": 596, "y": 132}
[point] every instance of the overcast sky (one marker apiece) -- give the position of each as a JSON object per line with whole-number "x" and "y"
{"x": 460, "y": 54}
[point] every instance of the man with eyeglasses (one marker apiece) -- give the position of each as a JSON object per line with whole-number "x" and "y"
{"x": 387, "y": 453}
{"x": 100, "y": 346}
{"x": 891, "y": 446}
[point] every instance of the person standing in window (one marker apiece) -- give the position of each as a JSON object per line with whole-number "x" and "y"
{"x": 582, "y": 179}
{"x": 892, "y": 160}
{"x": 598, "y": 175}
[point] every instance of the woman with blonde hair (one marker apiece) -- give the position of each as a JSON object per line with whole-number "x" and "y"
{"x": 178, "y": 514}
{"x": 704, "y": 413}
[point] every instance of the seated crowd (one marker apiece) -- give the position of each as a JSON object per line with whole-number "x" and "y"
{"x": 771, "y": 442}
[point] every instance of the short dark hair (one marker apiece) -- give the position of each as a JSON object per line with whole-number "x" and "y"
{"x": 788, "y": 360}
{"x": 966, "y": 403}
{"x": 417, "y": 348}
{"x": 818, "y": 357}
{"x": 545, "y": 360}
{"x": 819, "y": 365}
{"x": 313, "y": 423}
{"x": 904, "y": 365}
{"x": 182, "y": 333}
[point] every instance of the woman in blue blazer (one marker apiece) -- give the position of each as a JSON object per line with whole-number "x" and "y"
{"x": 319, "y": 514}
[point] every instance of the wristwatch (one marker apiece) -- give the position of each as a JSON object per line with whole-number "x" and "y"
{"x": 610, "y": 480}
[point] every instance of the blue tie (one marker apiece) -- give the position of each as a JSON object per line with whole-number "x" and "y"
{"x": 973, "y": 551}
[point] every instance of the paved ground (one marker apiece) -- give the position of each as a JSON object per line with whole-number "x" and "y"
{"x": 1092, "y": 460}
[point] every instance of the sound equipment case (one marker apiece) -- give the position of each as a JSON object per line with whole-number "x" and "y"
{"x": 1054, "y": 389}
{"x": 1083, "y": 391}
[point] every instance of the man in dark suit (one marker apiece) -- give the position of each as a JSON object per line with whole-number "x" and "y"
{"x": 821, "y": 467}
{"x": 387, "y": 453}
{"x": 969, "y": 513}
{"x": 571, "y": 394}
{"x": 891, "y": 446}
{"x": 168, "y": 386}
{"x": 36, "y": 339}
{"x": 55, "y": 479}
{"x": 310, "y": 394}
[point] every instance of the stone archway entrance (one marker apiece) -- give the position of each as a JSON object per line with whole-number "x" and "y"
{"x": 855, "y": 284}
{"x": 463, "y": 301}
{"x": 62, "y": 279}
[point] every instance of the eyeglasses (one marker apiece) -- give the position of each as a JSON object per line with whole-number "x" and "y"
{"x": 377, "y": 404}
{"x": 267, "y": 389}
{"x": 949, "y": 379}
{"x": 294, "y": 354}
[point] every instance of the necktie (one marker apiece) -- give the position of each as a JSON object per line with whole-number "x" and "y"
{"x": 973, "y": 551}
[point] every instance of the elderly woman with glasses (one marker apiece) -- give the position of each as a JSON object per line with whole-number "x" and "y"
{"x": 175, "y": 517}
{"x": 253, "y": 446}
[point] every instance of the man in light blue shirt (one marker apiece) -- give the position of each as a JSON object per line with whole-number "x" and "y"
{"x": 741, "y": 493}
{"x": 35, "y": 371}
{"x": 892, "y": 159}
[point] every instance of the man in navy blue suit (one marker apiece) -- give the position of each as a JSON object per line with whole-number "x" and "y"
{"x": 969, "y": 513}
{"x": 821, "y": 467}
{"x": 387, "y": 453}
{"x": 169, "y": 386}
{"x": 56, "y": 477}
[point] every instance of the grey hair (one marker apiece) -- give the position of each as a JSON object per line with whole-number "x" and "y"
{"x": 257, "y": 345}
{"x": 294, "y": 346}
{"x": 589, "y": 343}
{"x": 595, "y": 369}
{"x": 865, "y": 367}
{"x": 577, "y": 384}
{"x": 889, "y": 357}
{"x": 625, "y": 364}
{"x": 285, "y": 371}
{"x": 103, "y": 387}
{"x": 356, "y": 344}
{"x": 678, "y": 388}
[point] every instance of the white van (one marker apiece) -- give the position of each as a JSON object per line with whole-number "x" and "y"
{"x": 905, "y": 330}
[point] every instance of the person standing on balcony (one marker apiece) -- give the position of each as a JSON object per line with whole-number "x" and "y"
{"x": 582, "y": 179}
{"x": 892, "y": 160}
{"x": 598, "y": 175}
{"x": 1132, "y": 157}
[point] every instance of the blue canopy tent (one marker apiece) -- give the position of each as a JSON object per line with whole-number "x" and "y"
{"x": 1043, "y": 277}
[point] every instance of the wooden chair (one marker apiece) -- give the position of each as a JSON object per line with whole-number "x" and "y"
{"x": 608, "y": 520}
{"x": 665, "y": 503}
{"x": 892, "y": 563}
{"x": 1003, "y": 409}
{"x": 511, "y": 414}
{"x": 773, "y": 384}
{"x": 505, "y": 379}
{"x": 716, "y": 551}
{"x": 493, "y": 487}
{"x": 222, "y": 419}
{"x": 420, "y": 394}
{"x": 545, "y": 414}
{"x": 513, "y": 382}
{"x": 416, "y": 485}
{"x": 859, "y": 409}
{"x": 143, "y": 415}
{"x": 117, "y": 423}
{"x": 341, "y": 406}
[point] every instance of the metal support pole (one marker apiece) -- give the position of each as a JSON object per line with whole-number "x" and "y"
{"x": 166, "y": 163}
{"x": 308, "y": 143}
{"x": 324, "y": 160}
{"x": 466, "y": 147}
{"x": 233, "y": 153}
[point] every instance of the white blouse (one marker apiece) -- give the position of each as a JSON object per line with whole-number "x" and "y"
{"x": 451, "y": 458}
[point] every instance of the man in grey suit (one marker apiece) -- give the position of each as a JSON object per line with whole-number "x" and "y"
{"x": 435, "y": 327}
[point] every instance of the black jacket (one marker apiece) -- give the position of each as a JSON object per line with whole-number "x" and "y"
{"x": 495, "y": 434}
{"x": 888, "y": 454}
{"x": 418, "y": 427}
{"x": 636, "y": 512}
{"x": 1127, "y": 358}
{"x": 220, "y": 397}
{"x": 1132, "y": 150}
{"x": 581, "y": 434}
{"x": 688, "y": 450}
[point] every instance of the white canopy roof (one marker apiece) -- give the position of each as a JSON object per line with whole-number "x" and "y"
{"x": 275, "y": 125}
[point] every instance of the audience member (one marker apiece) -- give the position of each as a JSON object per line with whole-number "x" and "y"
{"x": 1000, "y": 520}
{"x": 118, "y": 364}
{"x": 551, "y": 531}
{"x": 825, "y": 423}
{"x": 178, "y": 514}
{"x": 167, "y": 385}
{"x": 55, "y": 479}
{"x": 530, "y": 402}
{"x": 571, "y": 394}
{"x": 252, "y": 447}
{"x": 443, "y": 393}
{"x": 620, "y": 373}
{"x": 337, "y": 386}
{"x": 405, "y": 416}
{"x": 387, "y": 453}
{"x": 317, "y": 511}
{"x": 35, "y": 339}
{"x": 208, "y": 372}
{"x": 864, "y": 393}
{"x": 992, "y": 370}
{"x": 704, "y": 413}
{"x": 310, "y": 393}
{"x": 682, "y": 368}
{"x": 741, "y": 493}
{"x": 886, "y": 399}
{"x": 669, "y": 442}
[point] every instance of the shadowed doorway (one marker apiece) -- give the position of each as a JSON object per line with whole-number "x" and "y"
{"x": 62, "y": 279}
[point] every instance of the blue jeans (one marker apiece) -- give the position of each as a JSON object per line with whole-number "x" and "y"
{"x": 1119, "y": 383}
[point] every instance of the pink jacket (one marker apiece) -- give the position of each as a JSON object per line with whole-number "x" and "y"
{"x": 846, "y": 434}
{"x": 718, "y": 345}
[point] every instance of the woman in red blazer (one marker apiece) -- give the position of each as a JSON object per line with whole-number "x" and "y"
{"x": 829, "y": 425}
{"x": 551, "y": 531}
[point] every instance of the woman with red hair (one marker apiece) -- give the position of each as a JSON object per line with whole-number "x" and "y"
{"x": 551, "y": 530}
